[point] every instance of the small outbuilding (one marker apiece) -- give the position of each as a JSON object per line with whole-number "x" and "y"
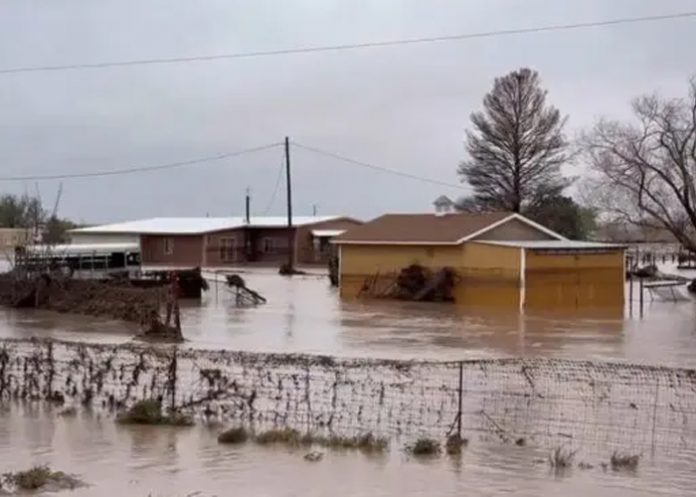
{"x": 500, "y": 259}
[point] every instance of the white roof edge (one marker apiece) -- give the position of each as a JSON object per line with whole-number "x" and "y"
{"x": 509, "y": 218}
{"x": 551, "y": 244}
{"x": 386, "y": 242}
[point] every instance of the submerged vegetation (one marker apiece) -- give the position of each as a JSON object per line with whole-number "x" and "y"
{"x": 38, "y": 478}
{"x": 626, "y": 462}
{"x": 424, "y": 447}
{"x": 366, "y": 442}
{"x": 561, "y": 458}
{"x": 149, "y": 412}
{"x": 233, "y": 436}
{"x": 454, "y": 444}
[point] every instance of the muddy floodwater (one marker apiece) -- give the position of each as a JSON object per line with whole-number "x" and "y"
{"x": 304, "y": 314}
{"x": 167, "y": 462}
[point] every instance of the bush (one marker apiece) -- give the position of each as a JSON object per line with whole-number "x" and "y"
{"x": 233, "y": 436}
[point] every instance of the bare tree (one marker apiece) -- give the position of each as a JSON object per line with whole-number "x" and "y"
{"x": 646, "y": 170}
{"x": 517, "y": 146}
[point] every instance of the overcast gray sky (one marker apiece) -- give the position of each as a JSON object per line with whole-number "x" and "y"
{"x": 403, "y": 107}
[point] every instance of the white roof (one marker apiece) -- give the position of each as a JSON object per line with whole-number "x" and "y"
{"x": 327, "y": 233}
{"x": 198, "y": 225}
{"x": 83, "y": 248}
{"x": 553, "y": 244}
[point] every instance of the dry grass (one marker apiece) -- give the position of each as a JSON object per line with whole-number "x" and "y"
{"x": 624, "y": 462}
{"x": 233, "y": 436}
{"x": 424, "y": 447}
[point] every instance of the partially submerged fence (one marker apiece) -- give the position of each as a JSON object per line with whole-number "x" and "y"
{"x": 549, "y": 402}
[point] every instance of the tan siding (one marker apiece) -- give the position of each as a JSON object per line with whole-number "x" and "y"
{"x": 580, "y": 280}
{"x": 514, "y": 230}
{"x": 488, "y": 275}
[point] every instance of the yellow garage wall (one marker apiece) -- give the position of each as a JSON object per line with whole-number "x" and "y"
{"x": 489, "y": 275}
{"x": 579, "y": 280}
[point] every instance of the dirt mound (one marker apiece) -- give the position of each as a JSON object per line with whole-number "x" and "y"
{"x": 116, "y": 299}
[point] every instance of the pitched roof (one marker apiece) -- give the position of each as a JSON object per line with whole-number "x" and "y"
{"x": 431, "y": 229}
{"x": 198, "y": 225}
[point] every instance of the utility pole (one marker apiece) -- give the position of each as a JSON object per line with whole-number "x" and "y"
{"x": 247, "y": 207}
{"x": 288, "y": 184}
{"x": 314, "y": 210}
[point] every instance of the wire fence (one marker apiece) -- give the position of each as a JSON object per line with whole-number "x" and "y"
{"x": 589, "y": 406}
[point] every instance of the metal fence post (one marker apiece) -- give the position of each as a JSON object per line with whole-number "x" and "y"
{"x": 459, "y": 410}
{"x": 172, "y": 381}
{"x": 654, "y": 420}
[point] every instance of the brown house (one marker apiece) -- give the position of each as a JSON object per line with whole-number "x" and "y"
{"x": 219, "y": 242}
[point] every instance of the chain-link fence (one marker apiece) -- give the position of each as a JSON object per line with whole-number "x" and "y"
{"x": 548, "y": 402}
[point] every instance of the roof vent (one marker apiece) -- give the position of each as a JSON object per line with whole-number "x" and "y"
{"x": 444, "y": 205}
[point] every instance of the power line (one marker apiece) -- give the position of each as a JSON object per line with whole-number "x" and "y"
{"x": 348, "y": 46}
{"x": 275, "y": 188}
{"x": 116, "y": 172}
{"x": 379, "y": 168}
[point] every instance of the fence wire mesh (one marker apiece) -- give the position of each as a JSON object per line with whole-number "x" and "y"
{"x": 587, "y": 405}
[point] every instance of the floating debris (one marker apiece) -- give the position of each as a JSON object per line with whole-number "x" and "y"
{"x": 314, "y": 456}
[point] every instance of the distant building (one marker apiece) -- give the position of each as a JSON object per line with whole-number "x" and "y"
{"x": 221, "y": 241}
{"x": 10, "y": 238}
{"x": 501, "y": 259}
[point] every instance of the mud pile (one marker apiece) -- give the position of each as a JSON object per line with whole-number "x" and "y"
{"x": 117, "y": 299}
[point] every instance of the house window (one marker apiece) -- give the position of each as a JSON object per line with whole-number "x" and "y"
{"x": 228, "y": 249}
{"x": 168, "y": 246}
{"x": 268, "y": 246}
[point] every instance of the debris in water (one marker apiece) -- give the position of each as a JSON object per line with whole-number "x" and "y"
{"x": 314, "y": 456}
{"x": 561, "y": 458}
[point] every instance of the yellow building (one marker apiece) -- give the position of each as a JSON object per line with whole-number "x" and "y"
{"x": 501, "y": 259}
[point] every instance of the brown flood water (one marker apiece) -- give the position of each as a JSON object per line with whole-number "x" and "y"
{"x": 132, "y": 461}
{"x": 305, "y": 315}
